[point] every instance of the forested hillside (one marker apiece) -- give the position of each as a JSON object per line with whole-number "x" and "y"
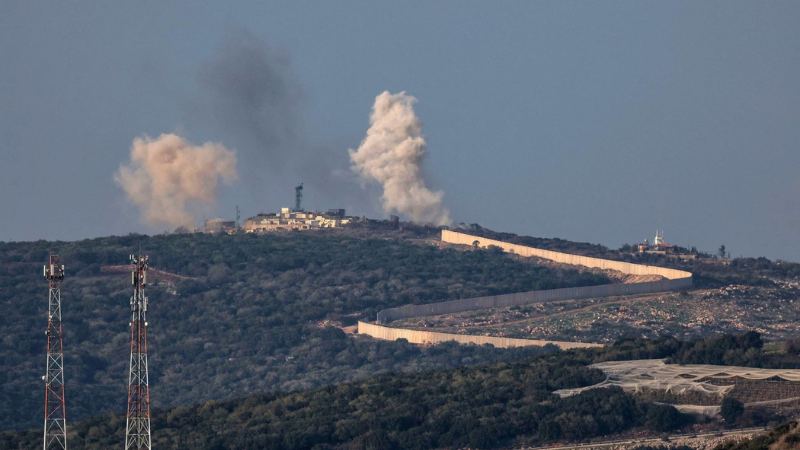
{"x": 243, "y": 317}
{"x": 479, "y": 407}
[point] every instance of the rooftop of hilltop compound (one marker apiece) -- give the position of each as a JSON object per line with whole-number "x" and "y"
{"x": 290, "y": 219}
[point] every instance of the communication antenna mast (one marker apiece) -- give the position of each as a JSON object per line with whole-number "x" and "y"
{"x": 298, "y": 197}
{"x": 237, "y": 215}
{"x": 55, "y": 414}
{"x": 137, "y": 430}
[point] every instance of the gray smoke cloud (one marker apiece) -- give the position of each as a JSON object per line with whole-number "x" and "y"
{"x": 249, "y": 95}
{"x": 392, "y": 154}
{"x": 168, "y": 177}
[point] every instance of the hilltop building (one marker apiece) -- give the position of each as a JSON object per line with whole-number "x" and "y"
{"x": 659, "y": 246}
{"x": 290, "y": 219}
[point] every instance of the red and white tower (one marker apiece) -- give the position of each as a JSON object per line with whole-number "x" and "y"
{"x": 55, "y": 414}
{"x": 137, "y": 431}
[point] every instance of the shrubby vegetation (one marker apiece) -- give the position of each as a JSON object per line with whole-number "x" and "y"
{"x": 745, "y": 349}
{"x": 707, "y": 271}
{"x": 248, "y": 315}
{"x": 244, "y": 318}
{"x": 554, "y": 244}
{"x": 639, "y": 348}
{"x": 505, "y": 404}
{"x": 783, "y": 437}
{"x": 741, "y": 350}
{"x": 478, "y": 407}
{"x": 731, "y": 409}
{"x": 750, "y": 271}
{"x": 733, "y": 350}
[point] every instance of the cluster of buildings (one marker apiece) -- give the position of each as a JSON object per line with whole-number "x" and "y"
{"x": 287, "y": 220}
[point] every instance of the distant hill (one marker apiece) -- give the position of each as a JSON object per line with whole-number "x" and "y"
{"x": 235, "y": 315}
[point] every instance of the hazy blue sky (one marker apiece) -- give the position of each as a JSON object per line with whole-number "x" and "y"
{"x": 590, "y": 121}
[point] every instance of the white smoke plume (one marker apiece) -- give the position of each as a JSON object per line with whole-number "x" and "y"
{"x": 169, "y": 176}
{"x": 392, "y": 154}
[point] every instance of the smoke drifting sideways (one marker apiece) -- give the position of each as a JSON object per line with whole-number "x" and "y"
{"x": 170, "y": 178}
{"x": 392, "y": 154}
{"x": 251, "y": 98}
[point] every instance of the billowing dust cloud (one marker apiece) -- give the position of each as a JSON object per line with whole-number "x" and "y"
{"x": 392, "y": 154}
{"x": 168, "y": 177}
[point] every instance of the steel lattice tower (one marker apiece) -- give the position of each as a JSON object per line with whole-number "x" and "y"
{"x": 137, "y": 431}
{"x": 55, "y": 415}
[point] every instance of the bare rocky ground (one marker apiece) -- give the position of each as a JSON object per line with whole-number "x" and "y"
{"x": 698, "y": 443}
{"x": 699, "y": 438}
{"x": 773, "y": 312}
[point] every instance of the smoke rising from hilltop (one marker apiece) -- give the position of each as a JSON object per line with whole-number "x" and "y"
{"x": 392, "y": 154}
{"x": 251, "y": 96}
{"x": 169, "y": 176}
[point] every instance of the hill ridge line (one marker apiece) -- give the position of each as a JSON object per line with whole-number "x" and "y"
{"x": 674, "y": 280}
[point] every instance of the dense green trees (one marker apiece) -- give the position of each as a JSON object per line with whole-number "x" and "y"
{"x": 731, "y": 409}
{"x": 479, "y": 407}
{"x": 247, "y": 316}
{"x": 733, "y": 350}
{"x": 243, "y": 316}
{"x": 509, "y": 403}
{"x": 664, "y": 418}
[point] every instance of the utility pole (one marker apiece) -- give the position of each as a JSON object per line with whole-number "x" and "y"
{"x": 55, "y": 414}
{"x": 137, "y": 430}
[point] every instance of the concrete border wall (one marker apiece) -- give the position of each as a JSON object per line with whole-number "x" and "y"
{"x": 432, "y": 337}
{"x": 454, "y": 237}
{"x": 675, "y": 280}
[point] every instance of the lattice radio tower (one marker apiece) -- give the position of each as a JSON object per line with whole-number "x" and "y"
{"x": 55, "y": 414}
{"x": 137, "y": 430}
